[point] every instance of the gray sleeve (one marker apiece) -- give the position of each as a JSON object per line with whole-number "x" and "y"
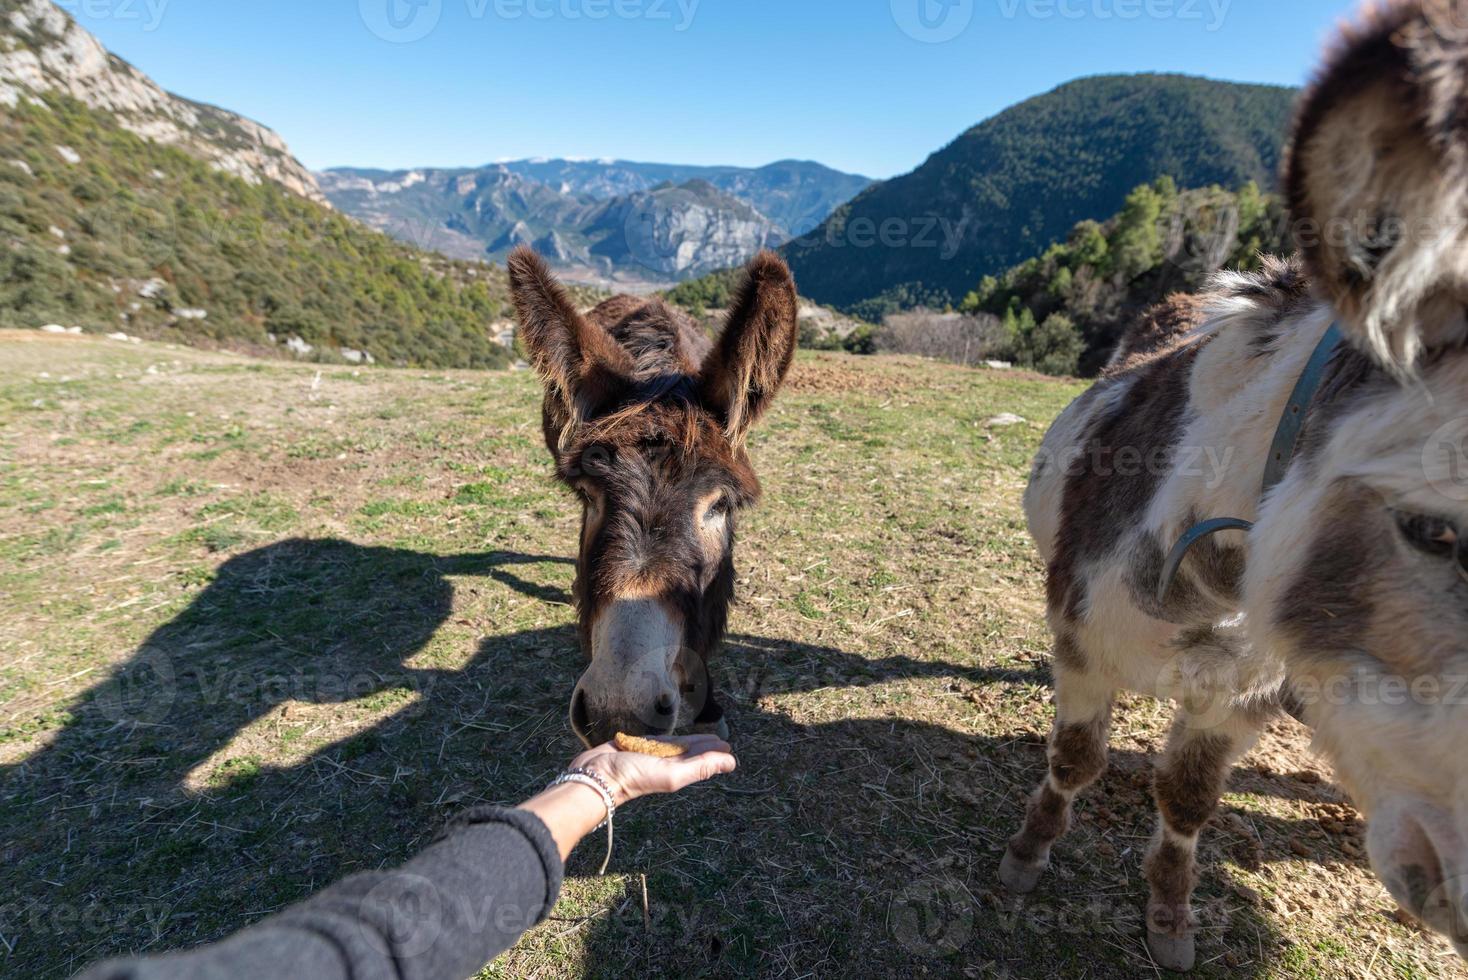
{"x": 442, "y": 916}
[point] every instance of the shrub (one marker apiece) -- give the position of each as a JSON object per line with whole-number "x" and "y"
{"x": 1053, "y": 347}
{"x": 951, "y": 337}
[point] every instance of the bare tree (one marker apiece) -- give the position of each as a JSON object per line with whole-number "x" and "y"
{"x": 966, "y": 340}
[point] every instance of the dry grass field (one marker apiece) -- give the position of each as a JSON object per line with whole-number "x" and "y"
{"x": 263, "y": 625}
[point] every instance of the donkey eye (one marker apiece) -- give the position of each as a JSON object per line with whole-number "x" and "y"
{"x": 1434, "y": 535}
{"x": 716, "y": 512}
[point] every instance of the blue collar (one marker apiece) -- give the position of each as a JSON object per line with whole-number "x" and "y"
{"x": 1281, "y": 454}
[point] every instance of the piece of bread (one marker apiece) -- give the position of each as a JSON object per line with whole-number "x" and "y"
{"x": 647, "y": 746}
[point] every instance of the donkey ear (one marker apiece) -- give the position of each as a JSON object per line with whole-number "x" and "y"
{"x": 744, "y": 371}
{"x": 1377, "y": 179}
{"x": 579, "y": 362}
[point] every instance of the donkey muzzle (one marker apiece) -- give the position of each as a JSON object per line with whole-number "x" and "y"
{"x": 633, "y": 684}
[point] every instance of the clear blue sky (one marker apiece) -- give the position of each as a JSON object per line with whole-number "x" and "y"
{"x": 863, "y": 85}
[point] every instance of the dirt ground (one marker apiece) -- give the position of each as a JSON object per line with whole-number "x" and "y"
{"x": 265, "y": 624}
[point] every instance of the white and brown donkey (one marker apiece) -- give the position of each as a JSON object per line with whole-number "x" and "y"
{"x": 1348, "y": 598}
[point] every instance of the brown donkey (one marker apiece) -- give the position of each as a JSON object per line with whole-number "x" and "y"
{"x": 646, "y": 421}
{"x": 1347, "y": 599}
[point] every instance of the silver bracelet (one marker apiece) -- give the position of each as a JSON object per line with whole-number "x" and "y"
{"x": 585, "y": 777}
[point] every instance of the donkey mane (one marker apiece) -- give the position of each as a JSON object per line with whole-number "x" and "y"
{"x": 1263, "y": 301}
{"x": 660, "y": 340}
{"x": 659, "y": 399}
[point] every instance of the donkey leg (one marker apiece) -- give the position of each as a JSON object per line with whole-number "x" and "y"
{"x": 711, "y": 720}
{"x": 1189, "y": 781}
{"x": 1077, "y": 758}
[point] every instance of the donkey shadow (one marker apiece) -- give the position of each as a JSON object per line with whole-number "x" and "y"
{"x": 837, "y": 831}
{"x": 320, "y": 621}
{"x": 870, "y": 848}
{"x": 118, "y": 834}
{"x": 105, "y": 817}
{"x": 111, "y": 846}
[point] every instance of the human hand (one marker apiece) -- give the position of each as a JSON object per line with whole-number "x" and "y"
{"x": 631, "y": 775}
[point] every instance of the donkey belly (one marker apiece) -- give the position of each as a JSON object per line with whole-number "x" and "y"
{"x": 1106, "y": 609}
{"x": 1122, "y": 642}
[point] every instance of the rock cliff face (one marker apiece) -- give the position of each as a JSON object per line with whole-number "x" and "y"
{"x": 675, "y": 232}
{"x": 464, "y": 214}
{"x": 43, "y": 50}
{"x": 797, "y": 195}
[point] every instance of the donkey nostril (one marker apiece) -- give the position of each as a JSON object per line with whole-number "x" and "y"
{"x": 580, "y": 719}
{"x": 664, "y": 705}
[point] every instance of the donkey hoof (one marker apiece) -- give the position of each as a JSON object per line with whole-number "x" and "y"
{"x": 1017, "y": 876}
{"x": 1176, "y": 953}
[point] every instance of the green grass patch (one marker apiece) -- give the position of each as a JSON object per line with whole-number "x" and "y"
{"x": 237, "y": 773}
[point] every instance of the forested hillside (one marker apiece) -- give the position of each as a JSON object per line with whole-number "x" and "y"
{"x": 109, "y": 231}
{"x": 1061, "y": 311}
{"x": 1009, "y": 187}
{"x": 1104, "y": 275}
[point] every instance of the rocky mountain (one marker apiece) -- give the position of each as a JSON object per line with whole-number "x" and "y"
{"x": 461, "y": 213}
{"x": 611, "y": 221}
{"x": 795, "y": 194}
{"x": 678, "y": 231}
{"x": 1009, "y": 187}
{"x": 43, "y": 50}
{"x": 130, "y": 212}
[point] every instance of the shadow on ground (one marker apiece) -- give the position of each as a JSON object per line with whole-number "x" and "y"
{"x": 853, "y": 847}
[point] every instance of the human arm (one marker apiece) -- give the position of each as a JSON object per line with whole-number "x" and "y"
{"x": 493, "y": 874}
